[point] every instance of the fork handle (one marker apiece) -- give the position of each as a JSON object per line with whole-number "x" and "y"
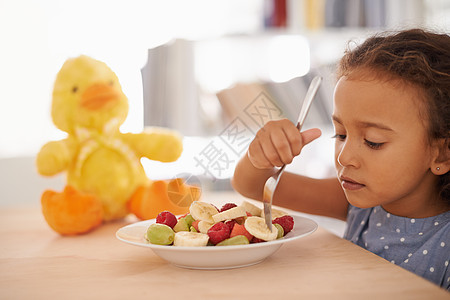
{"x": 312, "y": 90}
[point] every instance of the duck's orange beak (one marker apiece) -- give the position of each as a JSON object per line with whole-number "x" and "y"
{"x": 98, "y": 95}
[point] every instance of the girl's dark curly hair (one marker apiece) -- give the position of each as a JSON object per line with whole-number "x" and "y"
{"x": 419, "y": 58}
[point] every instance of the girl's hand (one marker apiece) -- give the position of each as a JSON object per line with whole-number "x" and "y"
{"x": 277, "y": 143}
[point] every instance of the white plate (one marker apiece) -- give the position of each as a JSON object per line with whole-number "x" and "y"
{"x": 214, "y": 257}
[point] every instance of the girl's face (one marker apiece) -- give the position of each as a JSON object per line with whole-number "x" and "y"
{"x": 382, "y": 154}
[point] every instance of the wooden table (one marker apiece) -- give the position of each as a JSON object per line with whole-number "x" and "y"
{"x": 36, "y": 263}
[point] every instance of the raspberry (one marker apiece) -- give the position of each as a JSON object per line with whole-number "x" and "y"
{"x": 227, "y": 206}
{"x": 287, "y": 222}
{"x": 218, "y": 232}
{"x": 167, "y": 218}
{"x": 240, "y": 230}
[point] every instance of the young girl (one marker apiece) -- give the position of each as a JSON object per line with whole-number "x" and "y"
{"x": 392, "y": 153}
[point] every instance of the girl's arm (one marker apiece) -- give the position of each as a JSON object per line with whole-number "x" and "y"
{"x": 314, "y": 196}
{"x": 276, "y": 143}
{"x": 323, "y": 197}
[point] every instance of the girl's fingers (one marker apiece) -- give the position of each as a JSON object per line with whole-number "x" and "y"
{"x": 271, "y": 152}
{"x": 294, "y": 139}
{"x": 277, "y": 143}
{"x": 310, "y": 135}
{"x": 283, "y": 147}
{"x": 262, "y": 152}
{"x": 257, "y": 156}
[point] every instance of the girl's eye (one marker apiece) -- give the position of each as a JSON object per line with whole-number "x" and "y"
{"x": 340, "y": 137}
{"x": 373, "y": 145}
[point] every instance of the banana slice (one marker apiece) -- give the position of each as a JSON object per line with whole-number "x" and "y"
{"x": 230, "y": 214}
{"x": 203, "y": 226}
{"x": 190, "y": 239}
{"x": 256, "y": 226}
{"x": 251, "y": 208}
{"x": 202, "y": 211}
{"x": 276, "y": 213}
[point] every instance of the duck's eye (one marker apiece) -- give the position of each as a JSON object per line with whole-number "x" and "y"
{"x": 74, "y": 89}
{"x": 111, "y": 83}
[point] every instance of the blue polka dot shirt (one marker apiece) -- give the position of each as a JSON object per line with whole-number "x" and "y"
{"x": 421, "y": 246}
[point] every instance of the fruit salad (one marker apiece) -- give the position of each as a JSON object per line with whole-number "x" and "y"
{"x": 206, "y": 225}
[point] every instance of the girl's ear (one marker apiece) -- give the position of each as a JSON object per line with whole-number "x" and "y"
{"x": 441, "y": 163}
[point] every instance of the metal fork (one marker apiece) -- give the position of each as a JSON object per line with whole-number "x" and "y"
{"x": 271, "y": 183}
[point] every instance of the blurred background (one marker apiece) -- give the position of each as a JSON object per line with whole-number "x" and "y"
{"x": 215, "y": 70}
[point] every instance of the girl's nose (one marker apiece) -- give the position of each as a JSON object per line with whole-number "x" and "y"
{"x": 346, "y": 155}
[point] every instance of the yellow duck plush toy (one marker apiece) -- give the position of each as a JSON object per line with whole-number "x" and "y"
{"x": 102, "y": 164}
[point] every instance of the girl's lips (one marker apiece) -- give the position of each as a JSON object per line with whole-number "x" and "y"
{"x": 349, "y": 184}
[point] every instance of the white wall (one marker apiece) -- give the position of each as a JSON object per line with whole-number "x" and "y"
{"x": 36, "y": 37}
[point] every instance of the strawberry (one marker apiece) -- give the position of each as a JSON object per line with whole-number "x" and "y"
{"x": 230, "y": 224}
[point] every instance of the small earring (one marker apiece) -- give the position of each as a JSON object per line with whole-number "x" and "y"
{"x": 437, "y": 168}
